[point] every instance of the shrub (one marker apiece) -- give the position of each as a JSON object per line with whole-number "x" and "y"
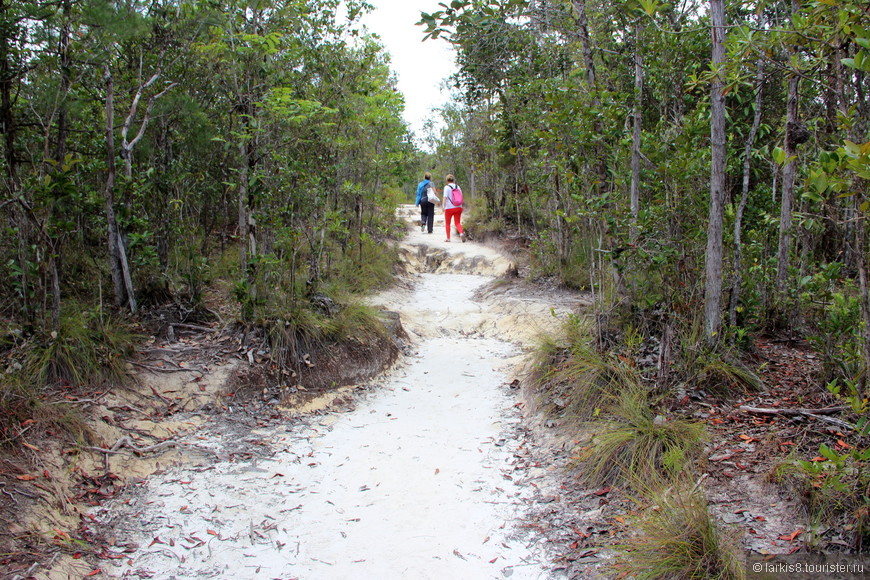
{"x": 835, "y": 489}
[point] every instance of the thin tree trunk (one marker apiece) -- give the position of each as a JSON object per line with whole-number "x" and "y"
{"x": 63, "y": 48}
{"x": 713, "y": 281}
{"x": 119, "y": 267}
{"x": 591, "y": 79}
{"x": 635, "y": 139}
{"x": 583, "y": 27}
{"x": 744, "y": 196}
{"x": 789, "y": 173}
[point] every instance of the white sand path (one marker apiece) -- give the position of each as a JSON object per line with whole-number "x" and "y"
{"x": 419, "y": 480}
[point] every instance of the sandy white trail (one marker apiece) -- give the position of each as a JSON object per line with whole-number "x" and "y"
{"x": 416, "y": 482}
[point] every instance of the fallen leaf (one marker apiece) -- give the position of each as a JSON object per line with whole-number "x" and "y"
{"x": 843, "y": 444}
{"x": 211, "y": 532}
{"x": 25, "y": 477}
{"x": 493, "y": 560}
{"x": 29, "y": 446}
{"x": 602, "y": 491}
{"x": 818, "y": 459}
{"x": 619, "y": 519}
{"x": 792, "y": 536}
{"x": 93, "y": 573}
{"x": 747, "y": 438}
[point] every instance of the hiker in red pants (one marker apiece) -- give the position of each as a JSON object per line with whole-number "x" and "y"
{"x": 453, "y": 206}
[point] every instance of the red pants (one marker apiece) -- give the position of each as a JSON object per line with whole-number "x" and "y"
{"x": 454, "y": 212}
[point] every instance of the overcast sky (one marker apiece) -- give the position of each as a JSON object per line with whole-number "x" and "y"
{"x": 420, "y": 66}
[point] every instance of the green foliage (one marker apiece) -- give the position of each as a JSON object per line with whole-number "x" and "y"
{"x": 632, "y": 445}
{"x": 837, "y": 325}
{"x": 678, "y": 538}
{"x": 836, "y": 490}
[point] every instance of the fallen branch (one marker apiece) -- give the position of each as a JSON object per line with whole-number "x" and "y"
{"x": 815, "y": 413}
{"x": 128, "y": 443}
{"x": 167, "y": 370}
{"x": 799, "y": 411}
{"x": 193, "y": 327}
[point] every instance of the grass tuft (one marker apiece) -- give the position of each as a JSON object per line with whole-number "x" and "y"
{"x": 634, "y": 446}
{"x": 574, "y": 380}
{"x": 86, "y": 349}
{"x": 677, "y": 538}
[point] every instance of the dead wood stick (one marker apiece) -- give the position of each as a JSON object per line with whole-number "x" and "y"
{"x": 193, "y": 327}
{"x": 799, "y": 411}
{"x": 834, "y": 421}
{"x": 127, "y": 442}
{"x": 815, "y": 413}
{"x": 166, "y": 370}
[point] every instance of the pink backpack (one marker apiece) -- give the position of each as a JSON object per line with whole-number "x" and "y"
{"x": 456, "y": 196}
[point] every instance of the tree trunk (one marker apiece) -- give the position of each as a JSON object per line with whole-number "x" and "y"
{"x": 713, "y": 281}
{"x": 591, "y": 79}
{"x": 744, "y": 197}
{"x": 789, "y": 173}
{"x": 63, "y": 48}
{"x": 121, "y": 279}
{"x": 635, "y": 139}
{"x": 583, "y": 27}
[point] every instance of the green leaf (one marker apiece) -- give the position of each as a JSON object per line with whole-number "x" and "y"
{"x": 778, "y": 155}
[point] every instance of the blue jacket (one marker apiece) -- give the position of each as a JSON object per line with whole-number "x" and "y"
{"x": 421, "y": 190}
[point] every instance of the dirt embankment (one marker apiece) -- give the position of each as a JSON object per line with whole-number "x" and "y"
{"x": 132, "y": 431}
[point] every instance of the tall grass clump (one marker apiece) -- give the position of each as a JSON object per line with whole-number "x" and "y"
{"x": 574, "y": 381}
{"x": 712, "y": 367}
{"x": 88, "y": 348}
{"x": 677, "y": 538}
{"x": 305, "y": 328}
{"x": 634, "y": 446}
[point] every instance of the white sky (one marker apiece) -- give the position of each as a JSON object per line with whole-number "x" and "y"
{"x": 419, "y": 66}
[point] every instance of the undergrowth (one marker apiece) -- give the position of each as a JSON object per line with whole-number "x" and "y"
{"x": 835, "y": 489}
{"x": 88, "y": 349}
{"x": 574, "y": 381}
{"x": 677, "y": 538}
{"x": 632, "y": 445}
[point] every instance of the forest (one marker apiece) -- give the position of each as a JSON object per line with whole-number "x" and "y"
{"x": 699, "y": 168}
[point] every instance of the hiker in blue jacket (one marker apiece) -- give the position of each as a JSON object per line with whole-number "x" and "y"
{"x": 427, "y": 209}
